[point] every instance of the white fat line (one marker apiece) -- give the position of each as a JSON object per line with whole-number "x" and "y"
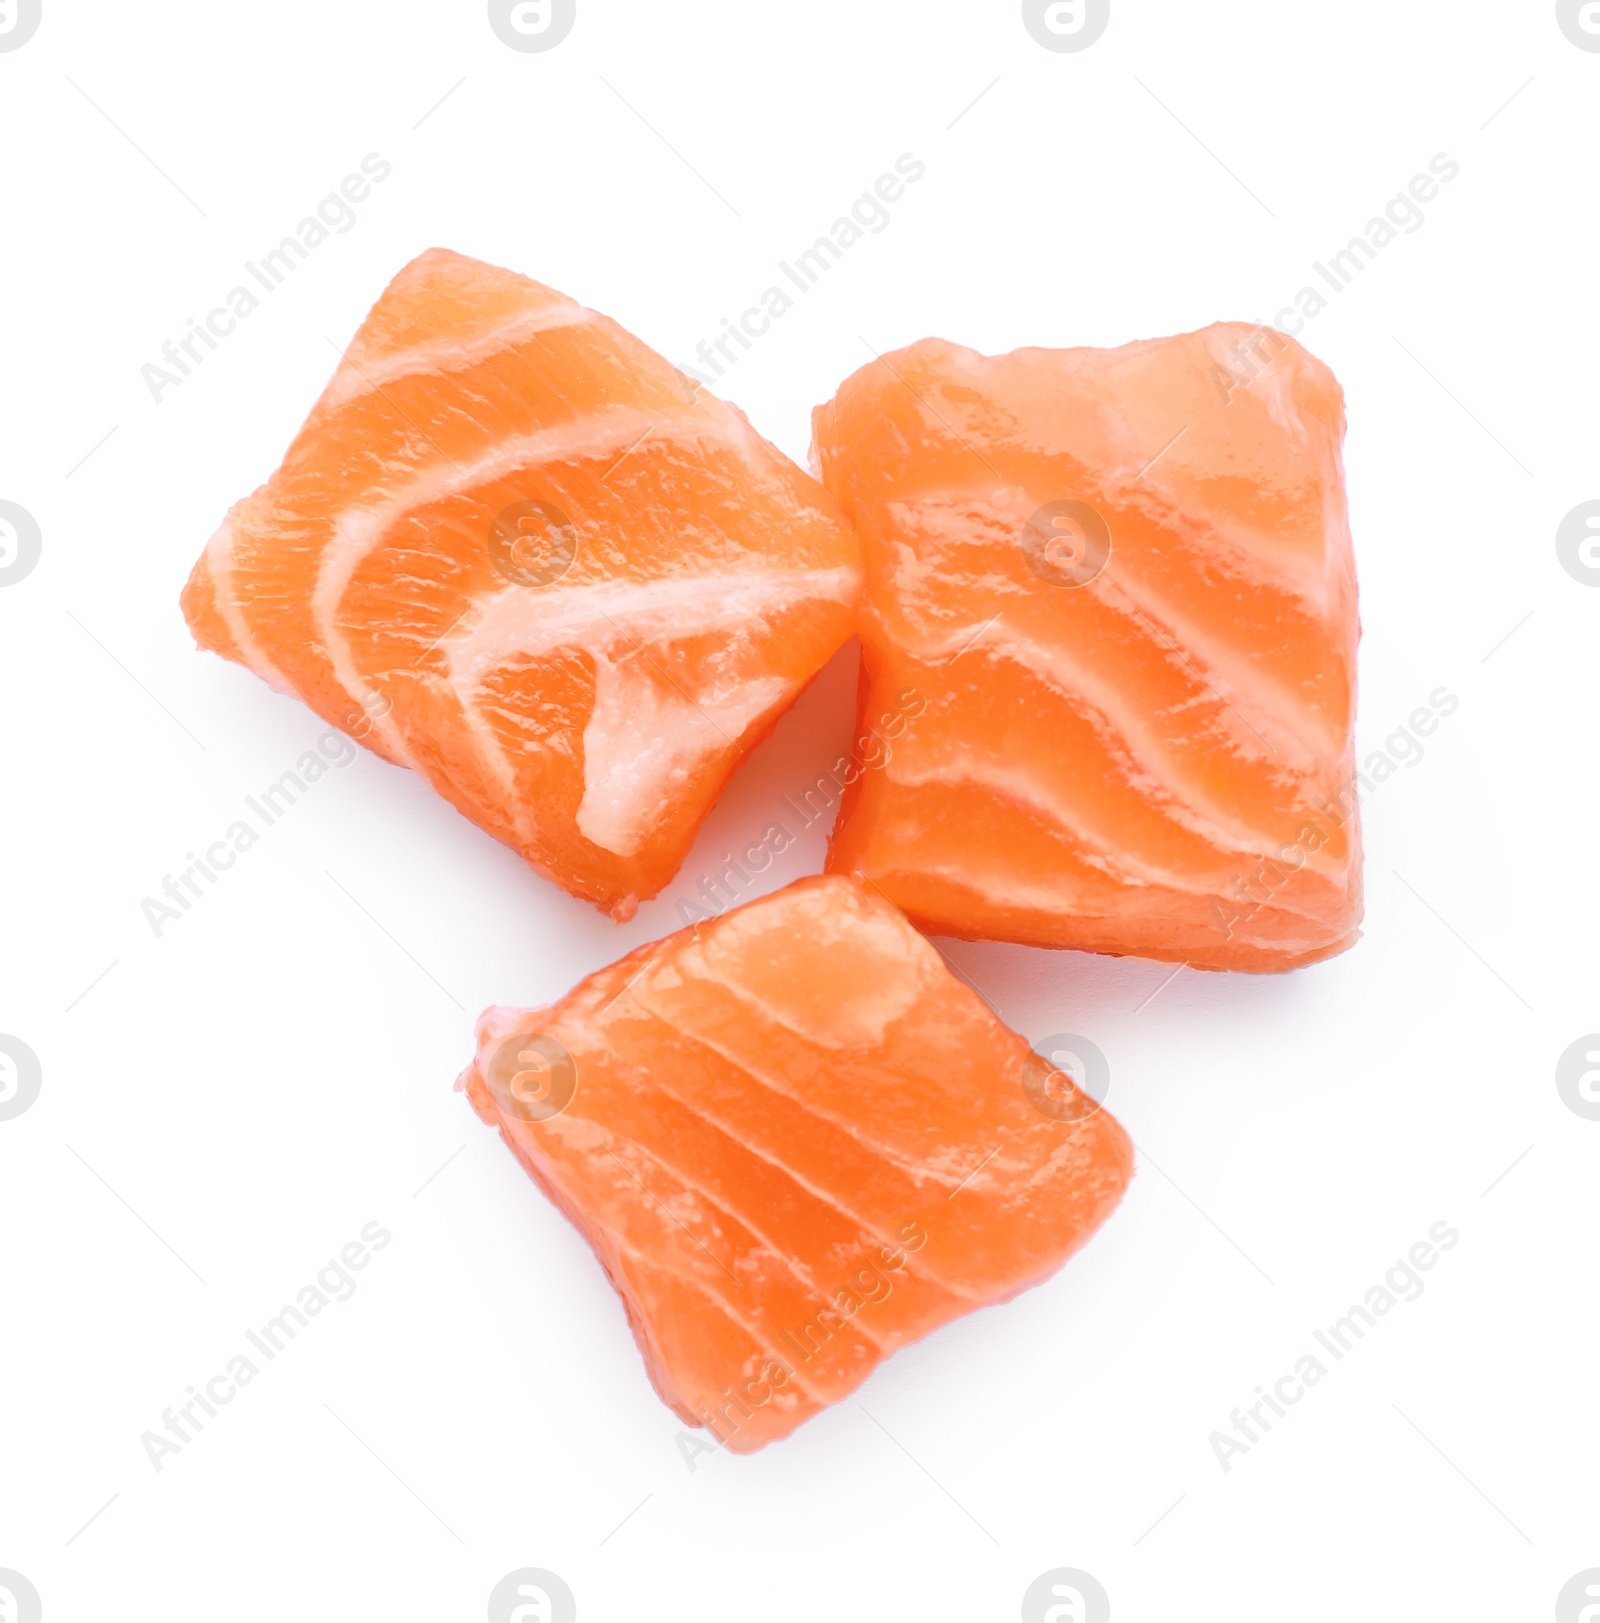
{"x": 1019, "y": 786}
{"x": 1293, "y": 723}
{"x": 361, "y": 529}
{"x": 520, "y": 621}
{"x": 645, "y": 737}
{"x": 1204, "y": 655}
{"x": 1150, "y": 770}
{"x": 997, "y": 886}
{"x": 359, "y": 377}
{"x": 219, "y": 564}
{"x": 1013, "y": 784}
{"x": 1311, "y": 584}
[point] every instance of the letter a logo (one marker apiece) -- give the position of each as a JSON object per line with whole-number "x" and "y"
{"x": 19, "y": 1600}
{"x": 532, "y": 1595}
{"x": 1069, "y": 1607}
{"x": 1066, "y": 1595}
{"x": 535, "y": 1606}
{"x": 1579, "y": 1600}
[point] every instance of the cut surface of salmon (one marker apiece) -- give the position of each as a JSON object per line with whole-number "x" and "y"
{"x": 1122, "y": 582}
{"x": 796, "y": 1143}
{"x": 513, "y": 548}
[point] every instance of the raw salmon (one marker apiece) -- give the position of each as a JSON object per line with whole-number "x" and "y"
{"x": 795, "y": 1142}
{"x": 513, "y": 548}
{"x": 1122, "y": 580}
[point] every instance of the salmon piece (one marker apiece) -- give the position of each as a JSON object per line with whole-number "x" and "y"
{"x": 514, "y": 549}
{"x": 1116, "y": 588}
{"x": 796, "y": 1143}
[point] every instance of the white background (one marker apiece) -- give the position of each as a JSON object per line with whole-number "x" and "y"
{"x": 275, "y": 1070}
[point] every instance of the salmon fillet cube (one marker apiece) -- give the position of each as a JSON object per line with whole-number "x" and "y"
{"x": 1121, "y": 584}
{"x": 795, "y": 1142}
{"x": 514, "y": 549}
